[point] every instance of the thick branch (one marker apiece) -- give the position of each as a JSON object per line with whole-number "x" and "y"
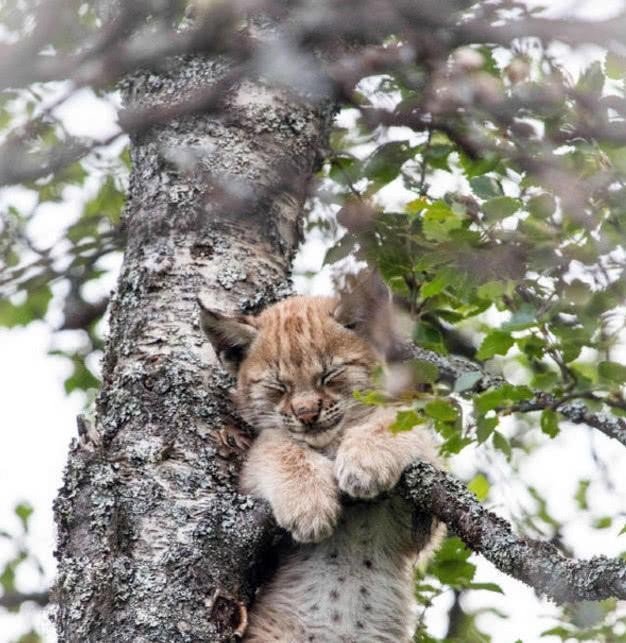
{"x": 538, "y": 564}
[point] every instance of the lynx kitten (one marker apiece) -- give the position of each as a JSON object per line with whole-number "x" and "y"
{"x": 322, "y": 460}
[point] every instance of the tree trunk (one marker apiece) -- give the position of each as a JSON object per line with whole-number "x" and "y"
{"x": 154, "y": 542}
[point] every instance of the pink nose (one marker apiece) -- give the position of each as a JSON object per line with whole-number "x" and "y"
{"x": 307, "y": 413}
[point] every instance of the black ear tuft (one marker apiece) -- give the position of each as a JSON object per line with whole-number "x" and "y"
{"x": 230, "y": 336}
{"x": 365, "y": 307}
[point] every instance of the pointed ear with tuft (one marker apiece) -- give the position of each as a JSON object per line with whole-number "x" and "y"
{"x": 230, "y": 336}
{"x": 365, "y": 307}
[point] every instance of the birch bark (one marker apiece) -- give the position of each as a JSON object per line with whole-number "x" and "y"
{"x": 154, "y": 543}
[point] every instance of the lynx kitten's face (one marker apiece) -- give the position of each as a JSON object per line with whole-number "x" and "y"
{"x": 298, "y": 364}
{"x": 301, "y": 371}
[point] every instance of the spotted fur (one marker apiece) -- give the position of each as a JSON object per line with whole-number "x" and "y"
{"x": 322, "y": 460}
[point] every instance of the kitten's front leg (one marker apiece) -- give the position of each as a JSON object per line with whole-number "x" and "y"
{"x": 371, "y": 459}
{"x": 298, "y": 483}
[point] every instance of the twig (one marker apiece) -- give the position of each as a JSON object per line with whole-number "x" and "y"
{"x": 12, "y": 600}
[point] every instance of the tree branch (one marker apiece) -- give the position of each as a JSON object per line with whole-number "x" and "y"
{"x": 12, "y": 600}
{"x": 576, "y": 411}
{"x": 451, "y": 367}
{"x": 538, "y": 564}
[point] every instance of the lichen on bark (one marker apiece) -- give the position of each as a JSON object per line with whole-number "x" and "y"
{"x": 538, "y": 564}
{"x": 154, "y": 542}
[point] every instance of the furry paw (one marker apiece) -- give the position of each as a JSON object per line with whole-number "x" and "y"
{"x": 365, "y": 474}
{"x": 309, "y": 519}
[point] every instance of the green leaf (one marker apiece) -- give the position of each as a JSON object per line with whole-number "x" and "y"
{"x": 485, "y": 427}
{"x": 108, "y": 202}
{"x": 490, "y": 64}
{"x": 500, "y": 207}
{"x": 7, "y": 578}
{"x": 615, "y": 66}
{"x": 542, "y": 206}
{"x": 424, "y": 372}
{"x": 502, "y": 444}
{"x": 30, "y": 637}
{"x": 439, "y": 220}
{"x": 416, "y": 205}
{"x": 454, "y": 444}
{"x": 452, "y": 548}
{"x": 501, "y": 397}
{"x": 560, "y": 631}
{"x": 24, "y": 511}
{"x": 532, "y": 346}
{"x": 550, "y": 422}
{"x": 371, "y": 398}
{"x": 344, "y": 169}
{"x": 486, "y": 187}
{"x": 497, "y": 342}
{"x": 450, "y": 564}
{"x": 384, "y": 165}
{"x": 493, "y": 290}
{"x": 581, "y": 494}
{"x": 35, "y": 307}
{"x": 81, "y": 379}
{"x": 612, "y": 371}
{"x": 436, "y": 155}
{"x": 441, "y": 410}
{"x": 524, "y": 317}
{"x": 428, "y": 337}
{"x": 490, "y": 587}
{"x": 544, "y": 381}
{"x": 474, "y": 167}
{"x": 479, "y": 486}
{"x": 572, "y": 340}
{"x": 618, "y": 157}
{"x": 434, "y": 287}
{"x": 577, "y": 292}
{"x": 542, "y": 508}
{"x": 603, "y": 523}
{"x": 405, "y": 421}
{"x": 340, "y": 250}
{"x": 455, "y": 573}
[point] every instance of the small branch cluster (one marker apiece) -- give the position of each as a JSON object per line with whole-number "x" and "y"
{"x": 571, "y": 406}
{"x": 139, "y": 36}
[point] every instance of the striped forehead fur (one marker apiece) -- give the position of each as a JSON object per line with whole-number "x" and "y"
{"x": 298, "y": 330}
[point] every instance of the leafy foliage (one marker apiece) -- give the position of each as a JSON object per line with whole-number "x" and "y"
{"x": 486, "y": 184}
{"x": 20, "y": 557}
{"x": 531, "y": 275}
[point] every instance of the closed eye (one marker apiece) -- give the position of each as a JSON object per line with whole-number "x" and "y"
{"x": 331, "y": 374}
{"x": 275, "y": 386}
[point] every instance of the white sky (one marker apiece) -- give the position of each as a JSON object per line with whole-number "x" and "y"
{"x": 38, "y": 421}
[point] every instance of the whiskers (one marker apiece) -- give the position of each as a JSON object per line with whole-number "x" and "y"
{"x": 346, "y": 411}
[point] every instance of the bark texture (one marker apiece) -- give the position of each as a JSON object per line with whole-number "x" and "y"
{"x": 538, "y": 564}
{"x": 154, "y": 543}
